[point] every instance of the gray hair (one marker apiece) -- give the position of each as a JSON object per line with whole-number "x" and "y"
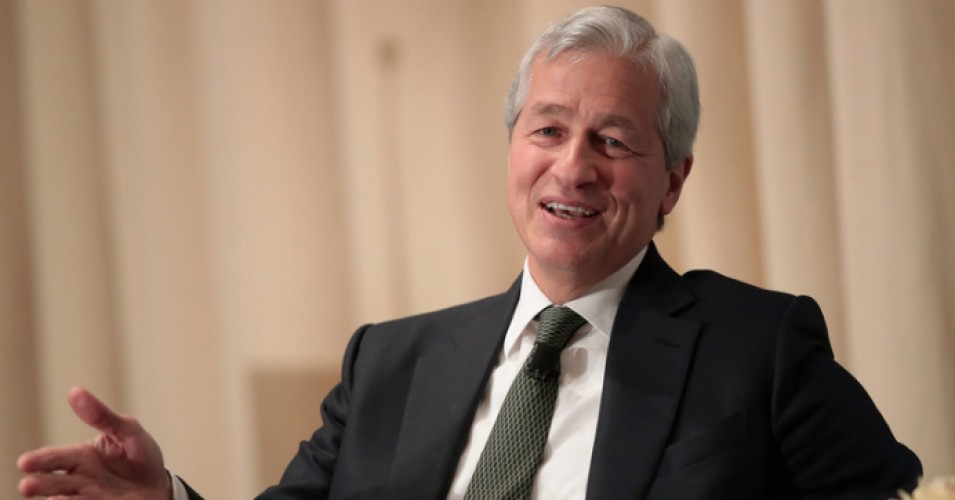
{"x": 623, "y": 33}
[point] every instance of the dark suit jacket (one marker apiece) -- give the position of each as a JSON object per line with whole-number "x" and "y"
{"x": 713, "y": 389}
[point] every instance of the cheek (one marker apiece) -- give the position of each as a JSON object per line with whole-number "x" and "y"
{"x": 517, "y": 188}
{"x": 523, "y": 170}
{"x": 639, "y": 194}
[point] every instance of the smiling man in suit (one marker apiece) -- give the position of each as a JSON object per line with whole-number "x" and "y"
{"x": 652, "y": 384}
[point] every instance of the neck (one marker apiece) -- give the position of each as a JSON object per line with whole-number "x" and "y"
{"x": 560, "y": 287}
{"x": 564, "y": 284}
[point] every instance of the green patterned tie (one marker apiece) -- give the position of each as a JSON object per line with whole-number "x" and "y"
{"x": 512, "y": 454}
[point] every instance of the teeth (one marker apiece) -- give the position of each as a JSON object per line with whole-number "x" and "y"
{"x": 567, "y": 211}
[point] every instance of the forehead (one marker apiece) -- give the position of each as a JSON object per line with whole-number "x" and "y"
{"x": 577, "y": 82}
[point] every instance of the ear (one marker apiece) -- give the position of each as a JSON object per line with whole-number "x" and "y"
{"x": 677, "y": 178}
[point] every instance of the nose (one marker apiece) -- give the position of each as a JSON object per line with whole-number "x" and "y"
{"x": 576, "y": 165}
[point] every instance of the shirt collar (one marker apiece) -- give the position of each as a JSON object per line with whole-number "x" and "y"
{"x": 598, "y": 305}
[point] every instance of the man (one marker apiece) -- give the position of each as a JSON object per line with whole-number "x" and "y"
{"x": 693, "y": 386}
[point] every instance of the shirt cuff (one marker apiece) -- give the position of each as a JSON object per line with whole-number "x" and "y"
{"x": 178, "y": 489}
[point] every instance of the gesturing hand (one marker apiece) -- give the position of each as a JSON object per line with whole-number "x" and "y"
{"x": 123, "y": 462}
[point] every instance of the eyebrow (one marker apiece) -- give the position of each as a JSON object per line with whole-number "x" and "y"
{"x": 620, "y": 122}
{"x": 549, "y": 108}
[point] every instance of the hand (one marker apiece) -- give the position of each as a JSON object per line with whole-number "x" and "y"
{"x": 123, "y": 462}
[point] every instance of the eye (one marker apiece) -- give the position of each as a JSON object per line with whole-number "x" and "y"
{"x": 614, "y": 143}
{"x": 546, "y": 136}
{"x": 613, "y": 147}
{"x": 547, "y": 131}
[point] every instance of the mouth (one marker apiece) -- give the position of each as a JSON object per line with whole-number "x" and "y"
{"x": 567, "y": 211}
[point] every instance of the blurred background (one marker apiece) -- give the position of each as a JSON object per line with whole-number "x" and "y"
{"x": 201, "y": 200}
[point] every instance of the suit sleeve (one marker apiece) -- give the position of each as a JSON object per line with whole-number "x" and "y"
{"x": 309, "y": 474}
{"x": 832, "y": 437}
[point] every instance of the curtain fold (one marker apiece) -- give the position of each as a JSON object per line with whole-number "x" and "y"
{"x": 891, "y": 74}
{"x": 64, "y": 187}
{"x": 795, "y": 171}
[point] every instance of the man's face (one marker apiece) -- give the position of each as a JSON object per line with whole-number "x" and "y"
{"x": 586, "y": 172}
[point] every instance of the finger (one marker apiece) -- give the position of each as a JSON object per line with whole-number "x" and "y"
{"x": 51, "y": 458}
{"x": 96, "y": 414}
{"x": 49, "y": 484}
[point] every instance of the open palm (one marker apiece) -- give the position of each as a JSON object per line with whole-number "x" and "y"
{"x": 122, "y": 462}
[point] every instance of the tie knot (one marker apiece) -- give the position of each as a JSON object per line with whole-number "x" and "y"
{"x": 556, "y": 325}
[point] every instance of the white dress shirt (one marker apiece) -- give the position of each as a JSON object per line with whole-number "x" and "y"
{"x": 565, "y": 464}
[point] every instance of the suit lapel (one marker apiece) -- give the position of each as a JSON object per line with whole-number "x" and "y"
{"x": 647, "y": 364}
{"x": 447, "y": 385}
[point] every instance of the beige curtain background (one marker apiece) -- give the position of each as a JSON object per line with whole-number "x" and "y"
{"x": 201, "y": 200}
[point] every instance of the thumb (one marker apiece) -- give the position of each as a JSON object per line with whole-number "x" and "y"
{"x": 96, "y": 414}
